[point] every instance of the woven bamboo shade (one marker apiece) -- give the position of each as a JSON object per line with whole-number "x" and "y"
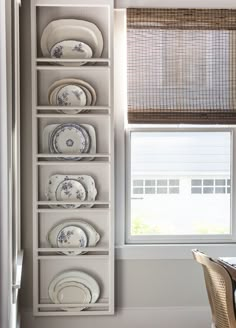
{"x": 181, "y": 66}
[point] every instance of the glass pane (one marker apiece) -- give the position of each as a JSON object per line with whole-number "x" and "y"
{"x": 196, "y": 182}
{"x": 174, "y": 190}
{"x": 220, "y": 182}
{"x": 161, "y": 182}
{"x": 149, "y": 190}
{"x": 208, "y": 182}
{"x": 137, "y": 183}
{"x": 220, "y": 190}
{"x": 161, "y": 190}
{"x": 173, "y": 182}
{"x": 187, "y": 168}
{"x": 149, "y": 182}
{"x": 138, "y": 191}
{"x": 196, "y": 190}
{"x": 208, "y": 190}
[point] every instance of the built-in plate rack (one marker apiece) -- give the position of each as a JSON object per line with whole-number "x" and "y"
{"x": 99, "y": 260}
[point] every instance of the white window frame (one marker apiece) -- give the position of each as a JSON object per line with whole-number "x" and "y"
{"x": 163, "y": 251}
{"x": 180, "y": 239}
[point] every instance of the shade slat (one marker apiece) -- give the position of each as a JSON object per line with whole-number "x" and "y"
{"x": 181, "y": 66}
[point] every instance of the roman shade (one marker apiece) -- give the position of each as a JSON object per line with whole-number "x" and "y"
{"x": 181, "y": 66}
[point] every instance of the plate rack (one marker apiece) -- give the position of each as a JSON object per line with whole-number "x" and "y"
{"x": 99, "y": 260}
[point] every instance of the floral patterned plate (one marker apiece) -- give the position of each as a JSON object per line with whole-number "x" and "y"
{"x": 93, "y": 236}
{"x": 71, "y": 191}
{"x": 63, "y": 82}
{"x": 71, "y": 49}
{"x": 86, "y": 180}
{"x": 72, "y": 236}
{"x": 70, "y": 95}
{"x": 69, "y": 138}
{"x": 72, "y": 29}
{"x": 46, "y": 139}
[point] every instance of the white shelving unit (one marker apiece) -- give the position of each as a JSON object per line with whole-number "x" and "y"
{"x": 99, "y": 260}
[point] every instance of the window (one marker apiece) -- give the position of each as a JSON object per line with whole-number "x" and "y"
{"x": 178, "y": 185}
{"x": 210, "y": 186}
{"x": 152, "y": 186}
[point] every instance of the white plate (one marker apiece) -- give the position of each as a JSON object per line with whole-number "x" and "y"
{"x": 46, "y": 136}
{"x": 72, "y": 293}
{"x": 78, "y": 277}
{"x": 86, "y": 180}
{"x": 89, "y": 98}
{"x": 71, "y": 191}
{"x": 93, "y": 236}
{"x": 72, "y": 236}
{"x": 72, "y": 29}
{"x": 71, "y": 49}
{"x": 69, "y": 138}
{"x": 80, "y": 83}
{"x": 64, "y": 95}
{"x": 71, "y": 95}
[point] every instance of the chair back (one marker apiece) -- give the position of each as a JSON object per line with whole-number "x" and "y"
{"x": 220, "y": 291}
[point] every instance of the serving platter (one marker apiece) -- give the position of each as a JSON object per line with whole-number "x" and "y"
{"x": 72, "y": 29}
{"x": 77, "y": 277}
{"x": 72, "y": 292}
{"x": 86, "y": 180}
{"x": 48, "y": 130}
{"x": 92, "y": 235}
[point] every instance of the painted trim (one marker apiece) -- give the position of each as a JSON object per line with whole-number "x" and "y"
{"x": 148, "y": 317}
{"x": 172, "y": 251}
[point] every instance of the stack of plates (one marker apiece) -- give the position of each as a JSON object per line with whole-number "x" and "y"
{"x": 71, "y": 39}
{"x": 71, "y": 92}
{"x": 69, "y": 138}
{"x": 74, "y": 287}
{"x": 71, "y": 188}
{"x": 74, "y": 234}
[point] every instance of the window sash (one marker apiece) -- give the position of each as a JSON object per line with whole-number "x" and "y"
{"x": 180, "y": 239}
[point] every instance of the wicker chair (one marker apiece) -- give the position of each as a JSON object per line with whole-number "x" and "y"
{"x": 220, "y": 291}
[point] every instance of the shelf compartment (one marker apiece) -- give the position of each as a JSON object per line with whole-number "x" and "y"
{"x": 98, "y": 219}
{"x": 95, "y": 267}
{"x": 100, "y": 174}
{"x": 101, "y": 125}
{"x": 99, "y": 15}
{"x": 93, "y": 75}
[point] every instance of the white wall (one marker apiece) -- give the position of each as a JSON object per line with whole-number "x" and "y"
{"x": 150, "y": 293}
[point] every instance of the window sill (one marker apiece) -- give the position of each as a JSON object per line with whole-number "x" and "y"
{"x": 173, "y": 251}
